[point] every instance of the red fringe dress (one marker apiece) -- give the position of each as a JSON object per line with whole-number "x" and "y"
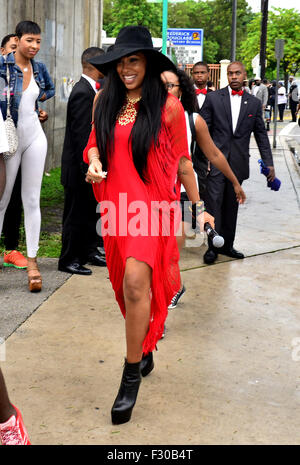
{"x": 131, "y": 223}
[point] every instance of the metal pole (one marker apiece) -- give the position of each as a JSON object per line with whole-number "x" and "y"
{"x": 100, "y": 23}
{"x": 263, "y": 37}
{"x": 233, "y": 30}
{"x": 164, "y": 27}
{"x": 276, "y": 103}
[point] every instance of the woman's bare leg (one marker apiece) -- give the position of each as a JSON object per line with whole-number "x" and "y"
{"x": 6, "y": 409}
{"x": 136, "y": 287}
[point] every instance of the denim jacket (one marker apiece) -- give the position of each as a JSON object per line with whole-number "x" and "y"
{"x": 41, "y": 76}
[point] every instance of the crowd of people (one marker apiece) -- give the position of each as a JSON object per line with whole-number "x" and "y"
{"x": 140, "y": 135}
{"x": 266, "y": 90}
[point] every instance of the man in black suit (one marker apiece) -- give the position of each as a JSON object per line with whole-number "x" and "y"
{"x": 80, "y": 241}
{"x": 200, "y": 76}
{"x": 232, "y": 115}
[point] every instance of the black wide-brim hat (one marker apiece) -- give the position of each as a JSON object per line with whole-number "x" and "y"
{"x": 132, "y": 39}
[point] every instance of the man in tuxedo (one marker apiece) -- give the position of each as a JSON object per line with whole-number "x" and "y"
{"x": 80, "y": 241}
{"x": 232, "y": 115}
{"x": 200, "y": 76}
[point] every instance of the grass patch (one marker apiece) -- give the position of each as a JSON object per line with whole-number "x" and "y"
{"x": 52, "y": 203}
{"x": 52, "y": 193}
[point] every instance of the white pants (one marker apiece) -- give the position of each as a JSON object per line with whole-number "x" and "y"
{"x": 32, "y": 160}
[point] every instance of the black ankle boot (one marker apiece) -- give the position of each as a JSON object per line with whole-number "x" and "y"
{"x": 147, "y": 364}
{"x": 122, "y": 409}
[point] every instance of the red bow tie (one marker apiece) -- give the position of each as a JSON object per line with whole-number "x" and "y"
{"x": 201, "y": 91}
{"x": 237, "y": 92}
{"x": 98, "y": 85}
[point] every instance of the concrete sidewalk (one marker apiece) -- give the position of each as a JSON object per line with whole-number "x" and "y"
{"x": 227, "y": 371}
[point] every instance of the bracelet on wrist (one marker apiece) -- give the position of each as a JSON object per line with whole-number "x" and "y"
{"x": 93, "y": 157}
{"x": 197, "y": 208}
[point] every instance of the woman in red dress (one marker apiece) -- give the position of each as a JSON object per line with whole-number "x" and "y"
{"x": 138, "y": 156}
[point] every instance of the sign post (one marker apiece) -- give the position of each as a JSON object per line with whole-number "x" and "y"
{"x": 164, "y": 26}
{"x": 164, "y": 23}
{"x": 187, "y": 42}
{"x": 279, "y": 54}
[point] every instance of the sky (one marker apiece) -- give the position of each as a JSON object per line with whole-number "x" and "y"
{"x": 255, "y": 4}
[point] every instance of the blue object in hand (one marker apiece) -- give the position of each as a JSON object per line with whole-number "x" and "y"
{"x": 274, "y": 185}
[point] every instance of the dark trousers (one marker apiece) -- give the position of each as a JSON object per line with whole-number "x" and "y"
{"x": 220, "y": 201}
{"x": 79, "y": 236}
{"x": 281, "y": 107}
{"x": 12, "y": 218}
{"x": 293, "y": 108}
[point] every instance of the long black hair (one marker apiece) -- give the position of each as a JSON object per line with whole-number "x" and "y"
{"x": 188, "y": 97}
{"x": 148, "y": 122}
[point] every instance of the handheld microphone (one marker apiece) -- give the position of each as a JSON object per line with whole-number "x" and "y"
{"x": 217, "y": 240}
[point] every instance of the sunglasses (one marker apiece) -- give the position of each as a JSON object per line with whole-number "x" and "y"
{"x": 170, "y": 85}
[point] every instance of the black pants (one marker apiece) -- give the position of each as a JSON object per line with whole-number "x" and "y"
{"x": 293, "y": 108}
{"x": 79, "y": 235}
{"x": 12, "y": 218}
{"x": 281, "y": 107}
{"x": 220, "y": 201}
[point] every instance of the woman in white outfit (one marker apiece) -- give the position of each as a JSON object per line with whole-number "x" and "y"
{"x": 181, "y": 86}
{"x": 29, "y": 83}
{"x": 3, "y": 148}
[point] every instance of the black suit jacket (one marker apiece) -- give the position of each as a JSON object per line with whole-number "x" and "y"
{"x": 78, "y": 127}
{"x": 216, "y": 111}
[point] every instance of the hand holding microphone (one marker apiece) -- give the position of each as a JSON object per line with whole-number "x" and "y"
{"x": 217, "y": 240}
{"x": 274, "y": 185}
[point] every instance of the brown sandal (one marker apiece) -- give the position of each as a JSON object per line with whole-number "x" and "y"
{"x": 34, "y": 275}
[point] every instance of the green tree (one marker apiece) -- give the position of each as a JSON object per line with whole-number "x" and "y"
{"x": 214, "y": 16}
{"x": 282, "y": 24}
{"x": 120, "y": 13}
{"x": 221, "y": 21}
{"x": 195, "y": 14}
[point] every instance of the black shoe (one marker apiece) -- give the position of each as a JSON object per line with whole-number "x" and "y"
{"x": 101, "y": 251}
{"x": 75, "y": 268}
{"x": 97, "y": 259}
{"x": 163, "y": 333}
{"x": 147, "y": 364}
{"x": 210, "y": 256}
{"x": 122, "y": 409}
{"x": 232, "y": 253}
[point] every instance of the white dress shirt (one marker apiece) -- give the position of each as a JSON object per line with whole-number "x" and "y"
{"x": 189, "y": 138}
{"x": 255, "y": 90}
{"x": 235, "y": 102}
{"x": 91, "y": 81}
{"x": 200, "y": 97}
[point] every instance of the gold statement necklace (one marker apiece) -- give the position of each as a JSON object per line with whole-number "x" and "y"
{"x": 128, "y": 112}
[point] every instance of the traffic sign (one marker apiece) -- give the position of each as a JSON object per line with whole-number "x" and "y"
{"x": 279, "y": 48}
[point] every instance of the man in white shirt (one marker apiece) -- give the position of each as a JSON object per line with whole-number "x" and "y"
{"x": 80, "y": 240}
{"x": 232, "y": 115}
{"x": 260, "y": 91}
